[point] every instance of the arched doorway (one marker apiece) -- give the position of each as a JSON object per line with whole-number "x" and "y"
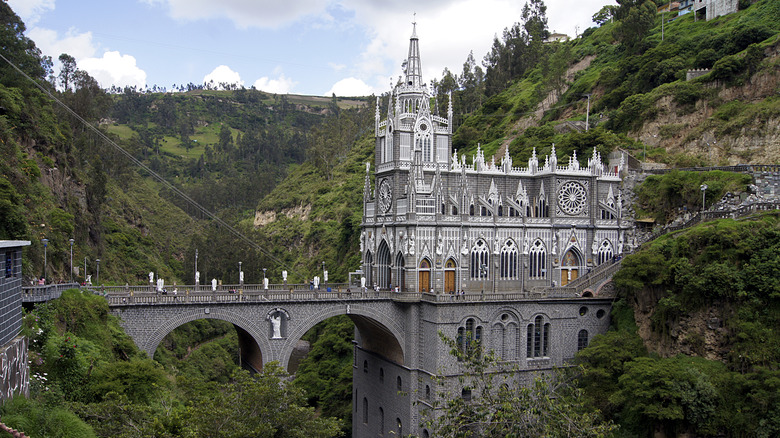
{"x": 424, "y": 276}
{"x": 384, "y": 275}
{"x": 570, "y": 266}
{"x": 400, "y": 272}
{"x": 450, "y": 276}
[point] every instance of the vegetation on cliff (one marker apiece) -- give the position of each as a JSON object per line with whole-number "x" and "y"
{"x": 706, "y": 303}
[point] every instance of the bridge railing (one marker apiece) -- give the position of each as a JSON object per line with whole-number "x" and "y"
{"x": 43, "y": 293}
{"x": 244, "y": 296}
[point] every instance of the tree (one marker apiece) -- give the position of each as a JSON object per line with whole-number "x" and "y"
{"x": 495, "y": 403}
{"x": 264, "y": 405}
{"x": 67, "y": 71}
{"x": 636, "y": 17}
{"x": 605, "y": 14}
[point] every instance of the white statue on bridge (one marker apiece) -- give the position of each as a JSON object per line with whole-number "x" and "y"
{"x": 197, "y": 277}
{"x": 241, "y": 277}
{"x": 151, "y": 277}
{"x": 276, "y": 325}
{"x": 213, "y": 284}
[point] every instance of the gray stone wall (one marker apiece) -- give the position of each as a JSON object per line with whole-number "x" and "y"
{"x": 14, "y": 369}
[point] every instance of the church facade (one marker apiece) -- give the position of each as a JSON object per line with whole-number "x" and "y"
{"x": 435, "y": 223}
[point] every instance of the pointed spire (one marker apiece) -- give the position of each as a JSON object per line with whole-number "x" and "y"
{"x": 367, "y": 184}
{"x": 413, "y": 64}
{"x": 553, "y": 159}
{"x": 376, "y": 117}
{"x": 449, "y": 112}
{"x": 533, "y": 163}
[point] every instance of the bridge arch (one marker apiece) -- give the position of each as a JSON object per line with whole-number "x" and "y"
{"x": 247, "y": 332}
{"x": 378, "y": 332}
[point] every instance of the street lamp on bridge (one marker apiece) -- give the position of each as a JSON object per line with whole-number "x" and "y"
{"x": 98, "y": 271}
{"x": 703, "y": 188}
{"x": 71, "y": 259}
{"x": 240, "y": 274}
{"x": 45, "y": 245}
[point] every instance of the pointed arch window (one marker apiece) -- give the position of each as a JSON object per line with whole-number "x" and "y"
{"x": 479, "y": 257}
{"x": 542, "y": 209}
{"x": 537, "y": 260}
{"x": 582, "y": 340}
{"x": 605, "y": 251}
{"x": 508, "y": 262}
{"x": 538, "y": 338}
{"x": 469, "y": 337}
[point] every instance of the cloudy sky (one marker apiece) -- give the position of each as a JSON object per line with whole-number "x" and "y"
{"x": 315, "y": 47}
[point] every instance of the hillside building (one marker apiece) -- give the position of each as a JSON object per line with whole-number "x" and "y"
{"x": 14, "y": 370}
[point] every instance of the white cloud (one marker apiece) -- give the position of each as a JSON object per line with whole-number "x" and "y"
{"x": 30, "y": 11}
{"x": 114, "y": 69}
{"x": 245, "y": 13}
{"x": 348, "y": 87}
{"x": 281, "y": 85}
{"x": 448, "y": 30}
{"x": 77, "y": 45}
{"x": 223, "y": 75}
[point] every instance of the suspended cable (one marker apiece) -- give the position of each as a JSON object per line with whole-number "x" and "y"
{"x": 154, "y": 174}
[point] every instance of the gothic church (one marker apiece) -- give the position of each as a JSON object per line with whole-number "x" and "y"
{"x": 432, "y": 222}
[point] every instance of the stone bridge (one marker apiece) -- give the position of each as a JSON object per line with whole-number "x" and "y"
{"x": 271, "y": 322}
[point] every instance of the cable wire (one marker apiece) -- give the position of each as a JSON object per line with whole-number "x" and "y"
{"x": 151, "y": 172}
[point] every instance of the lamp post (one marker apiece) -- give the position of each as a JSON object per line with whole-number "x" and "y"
{"x": 587, "y": 113}
{"x": 196, "y": 265}
{"x": 324, "y": 277}
{"x": 85, "y": 269}
{"x": 264, "y": 286}
{"x": 703, "y": 188}
{"x": 240, "y": 274}
{"x": 98, "y": 271}
{"x": 45, "y": 245}
{"x": 71, "y": 259}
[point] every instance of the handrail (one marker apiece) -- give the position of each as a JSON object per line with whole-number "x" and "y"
{"x": 743, "y": 168}
{"x": 42, "y": 293}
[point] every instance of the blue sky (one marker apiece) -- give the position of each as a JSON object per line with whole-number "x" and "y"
{"x": 316, "y": 47}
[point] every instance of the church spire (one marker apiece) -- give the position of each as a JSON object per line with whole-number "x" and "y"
{"x": 412, "y": 66}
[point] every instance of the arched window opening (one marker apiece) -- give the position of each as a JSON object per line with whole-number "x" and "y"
{"x": 469, "y": 338}
{"x": 508, "y": 263}
{"x": 365, "y": 366}
{"x": 538, "y": 338}
{"x": 582, "y": 340}
{"x": 479, "y": 260}
{"x": 500, "y": 210}
{"x": 537, "y": 260}
{"x": 399, "y": 383}
{"x": 454, "y": 210}
{"x": 381, "y": 375}
{"x": 605, "y": 251}
{"x": 365, "y": 410}
{"x": 471, "y": 210}
{"x": 381, "y": 421}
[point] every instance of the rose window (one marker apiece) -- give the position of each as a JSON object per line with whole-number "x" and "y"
{"x": 571, "y": 198}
